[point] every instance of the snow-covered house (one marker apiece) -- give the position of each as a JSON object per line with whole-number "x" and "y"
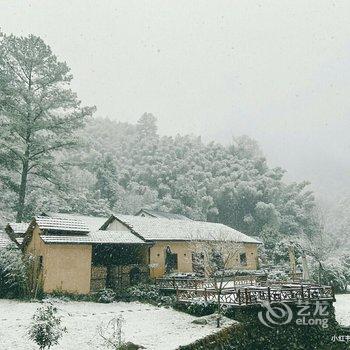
{"x": 80, "y": 254}
{"x": 174, "y": 237}
{"x": 66, "y": 249}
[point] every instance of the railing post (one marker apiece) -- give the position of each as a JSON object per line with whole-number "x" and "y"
{"x": 333, "y": 294}
{"x": 239, "y": 296}
{"x": 174, "y": 283}
{"x": 302, "y": 292}
{"x": 308, "y": 294}
{"x": 246, "y": 295}
{"x": 269, "y": 294}
{"x": 205, "y": 294}
{"x": 177, "y": 294}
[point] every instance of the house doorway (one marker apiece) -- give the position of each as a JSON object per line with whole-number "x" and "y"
{"x": 135, "y": 275}
{"x": 170, "y": 261}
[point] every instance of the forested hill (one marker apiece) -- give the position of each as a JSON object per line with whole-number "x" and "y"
{"x": 123, "y": 167}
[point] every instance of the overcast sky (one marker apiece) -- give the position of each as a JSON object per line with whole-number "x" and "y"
{"x": 278, "y": 71}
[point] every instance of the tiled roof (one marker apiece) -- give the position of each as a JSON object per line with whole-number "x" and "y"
{"x": 163, "y": 215}
{"x": 153, "y": 229}
{"x": 93, "y": 222}
{"x": 61, "y": 224}
{"x": 95, "y": 237}
{"x": 19, "y": 228}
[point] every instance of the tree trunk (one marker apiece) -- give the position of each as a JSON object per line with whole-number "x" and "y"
{"x": 319, "y": 272}
{"x": 219, "y": 309}
{"x": 23, "y": 188}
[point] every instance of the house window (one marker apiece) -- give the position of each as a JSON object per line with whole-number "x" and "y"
{"x": 243, "y": 259}
{"x": 40, "y": 262}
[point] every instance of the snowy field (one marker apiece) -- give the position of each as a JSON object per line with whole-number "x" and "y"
{"x": 146, "y": 325}
{"x": 342, "y": 309}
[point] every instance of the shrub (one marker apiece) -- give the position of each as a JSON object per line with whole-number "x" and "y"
{"x": 201, "y": 308}
{"x": 13, "y": 278}
{"x": 45, "y": 329}
{"x": 143, "y": 292}
{"x": 147, "y": 293}
{"x": 278, "y": 274}
{"x": 106, "y": 296}
{"x": 334, "y": 272}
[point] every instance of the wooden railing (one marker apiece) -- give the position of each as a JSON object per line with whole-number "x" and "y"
{"x": 180, "y": 283}
{"x": 175, "y": 283}
{"x": 251, "y": 295}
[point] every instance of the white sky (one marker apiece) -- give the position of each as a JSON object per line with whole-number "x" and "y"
{"x": 278, "y": 71}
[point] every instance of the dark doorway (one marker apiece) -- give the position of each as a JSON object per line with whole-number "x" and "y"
{"x": 170, "y": 260}
{"x": 135, "y": 275}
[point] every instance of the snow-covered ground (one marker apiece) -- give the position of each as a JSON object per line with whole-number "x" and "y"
{"x": 342, "y": 309}
{"x": 146, "y": 325}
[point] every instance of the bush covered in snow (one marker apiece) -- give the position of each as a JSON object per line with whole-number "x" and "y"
{"x": 147, "y": 293}
{"x": 199, "y": 308}
{"x": 45, "y": 329}
{"x": 278, "y": 274}
{"x": 106, "y": 296}
{"x": 334, "y": 271}
{"x": 13, "y": 278}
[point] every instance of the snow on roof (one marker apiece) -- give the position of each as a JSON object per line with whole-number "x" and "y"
{"x": 153, "y": 229}
{"x": 96, "y": 237}
{"x": 19, "y": 240}
{"x": 162, "y": 215}
{"x": 93, "y": 222}
{"x": 19, "y": 227}
{"x": 61, "y": 224}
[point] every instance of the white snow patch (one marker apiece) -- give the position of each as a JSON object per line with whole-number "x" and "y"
{"x": 342, "y": 309}
{"x": 152, "y": 327}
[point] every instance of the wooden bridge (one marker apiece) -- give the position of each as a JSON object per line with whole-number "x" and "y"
{"x": 245, "y": 292}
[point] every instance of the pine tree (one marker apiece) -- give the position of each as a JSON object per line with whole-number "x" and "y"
{"x": 39, "y": 114}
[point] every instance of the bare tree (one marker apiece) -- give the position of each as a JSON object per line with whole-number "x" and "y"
{"x": 112, "y": 333}
{"x": 216, "y": 256}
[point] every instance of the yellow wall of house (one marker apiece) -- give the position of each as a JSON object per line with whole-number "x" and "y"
{"x": 115, "y": 225}
{"x": 157, "y": 257}
{"x": 66, "y": 267}
{"x": 184, "y": 256}
{"x": 184, "y": 253}
{"x": 251, "y": 251}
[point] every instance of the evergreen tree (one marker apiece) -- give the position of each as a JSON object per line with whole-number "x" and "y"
{"x": 39, "y": 115}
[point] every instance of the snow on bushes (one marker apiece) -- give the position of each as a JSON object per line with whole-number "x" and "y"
{"x": 13, "y": 278}
{"x": 106, "y": 296}
{"x": 45, "y": 329}
{"x": 147, "y": 293}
